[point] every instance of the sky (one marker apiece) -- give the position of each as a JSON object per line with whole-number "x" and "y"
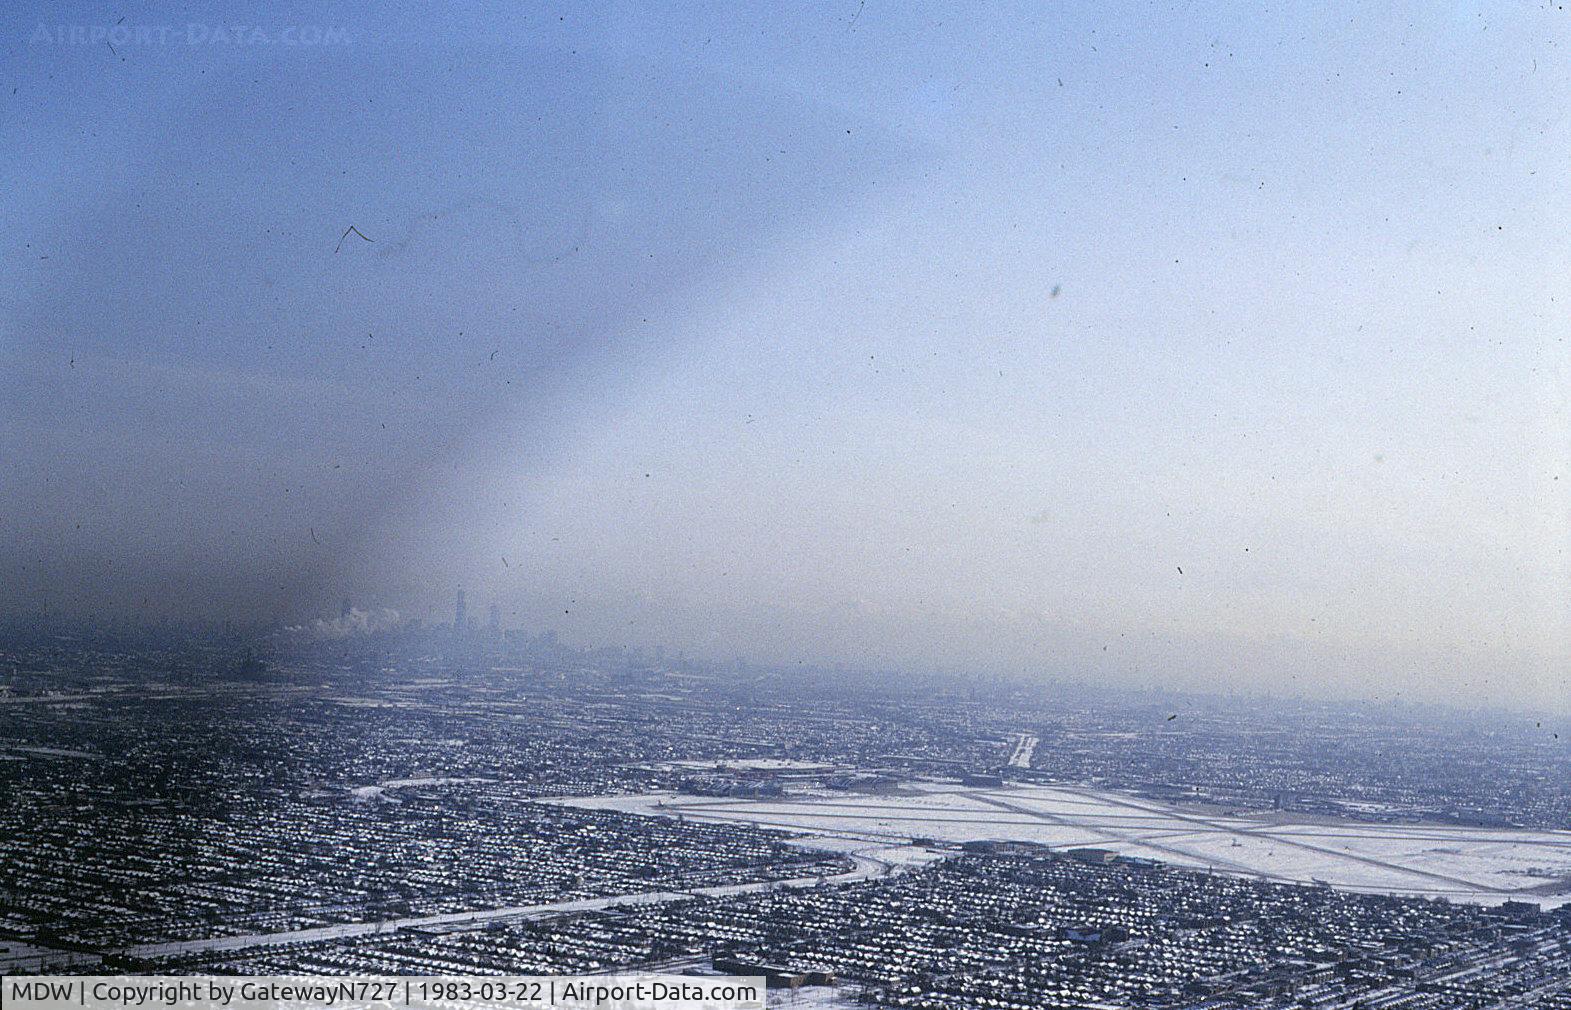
{"x": 1202, "y": 346}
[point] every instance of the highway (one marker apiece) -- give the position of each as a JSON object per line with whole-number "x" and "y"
{"x": 866, "y": 866}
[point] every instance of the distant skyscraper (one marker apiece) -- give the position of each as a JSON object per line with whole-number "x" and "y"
{"x": 493, "y": 621}
{"x": 343, "y": 610}
{"x": 460, "y": 616}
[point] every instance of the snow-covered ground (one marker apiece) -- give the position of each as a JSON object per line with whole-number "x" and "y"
{"x": 1486, "y": 865}
{"x": 1025, "y": 746}
{"x": 749, "y": 764}
{"x": 377, "y": 791}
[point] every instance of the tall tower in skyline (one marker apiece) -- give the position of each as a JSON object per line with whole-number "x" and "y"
{"x": 460, "y": 614}
{"x": 493, "y": 621}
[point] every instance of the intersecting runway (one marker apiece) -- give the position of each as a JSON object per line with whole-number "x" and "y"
{"x": 1487, "y": 865}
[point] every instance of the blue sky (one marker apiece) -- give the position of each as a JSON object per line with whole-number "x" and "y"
{"x": 737, "y": 332}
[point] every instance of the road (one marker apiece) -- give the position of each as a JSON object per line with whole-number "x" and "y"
{"x": 866, "y": 866}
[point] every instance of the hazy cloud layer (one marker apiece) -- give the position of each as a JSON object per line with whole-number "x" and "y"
{"x": 1211, "y": 348}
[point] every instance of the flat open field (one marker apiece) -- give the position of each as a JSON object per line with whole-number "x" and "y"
{"x": 1484, "y": 865}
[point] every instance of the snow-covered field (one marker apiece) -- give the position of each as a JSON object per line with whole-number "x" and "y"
{"x": 1486, "y": 865}
{"x": 749, "y": 764}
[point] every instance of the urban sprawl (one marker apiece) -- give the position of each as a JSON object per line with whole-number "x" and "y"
{"x": 455, "y": 800}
